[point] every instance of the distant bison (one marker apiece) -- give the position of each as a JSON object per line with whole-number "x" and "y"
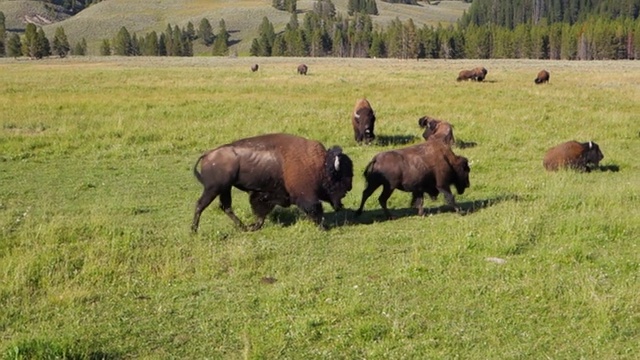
{"x": 436, "y": 130}
{"x": 477, "y": 74}
{"x": 573, "y": 155}
{"x": 302, "y": 69}
{"x": 254, "y": 67}
{"x": 275, "y": 169}
{"x": 430, "y": 167}
{"x": 363, "y": 121}
{"x": 543, "y": 77}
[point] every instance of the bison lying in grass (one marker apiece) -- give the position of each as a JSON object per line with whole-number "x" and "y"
{"x": 437, "y": 130}
{"x": 573, "y": 155}
{"x": 430, "y": 167}
{"x": 275, "y": 169}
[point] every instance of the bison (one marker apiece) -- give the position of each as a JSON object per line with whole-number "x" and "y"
{"x": 363, "y": 122}
{"x": 254, "y": 67}
{"x": 430, "y": 167}
{"x": 543, "y": 77}
{"x": 477, "y": 74}
{"x": 573, "y": 155}
{"x": 302, "y": 69}
{"x": 275, "y": 169}
{"x": 437, "y": 130}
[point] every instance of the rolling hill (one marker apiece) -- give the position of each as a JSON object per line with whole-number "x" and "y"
{"x": 242, "y": 17}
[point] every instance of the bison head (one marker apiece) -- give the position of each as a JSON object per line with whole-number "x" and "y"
{"x": 462, "y": 170}
{"x": 429, "y": 124}
{"x": 365, "y": 119}
{"x": 592, "y": 153}
{"x": 338, "y": 177}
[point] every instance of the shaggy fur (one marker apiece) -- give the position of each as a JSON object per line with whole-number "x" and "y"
{"x": 437, "y": 130}
{"x": 275, "y": 169}
{"x": 573, "y": 155}
{"x": 302, "y": 69}
{"x": 477, "y": 74}
{"x": 363, "y": 121}
{"x": 430, "y": 167}
{"x": 543, "y": 77}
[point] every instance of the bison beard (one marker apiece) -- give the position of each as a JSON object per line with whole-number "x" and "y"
{"x": 430, "y": 167}
{"x": 275, "y": 169}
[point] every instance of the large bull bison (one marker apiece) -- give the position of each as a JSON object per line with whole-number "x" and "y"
{"x": 275, "y": 169}
{"x": 543, "y": 77}
{"x": 363, "y": 121}
{"x": 573, "y": 155}
{"x": 437, "y": 130}
{"x": 302, "y": 69}
{"x": 430, "y": 167}
{"x": 254, "y": 67}
{"x": 477, "y": 74}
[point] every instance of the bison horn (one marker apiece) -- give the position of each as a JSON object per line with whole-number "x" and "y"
{"x": 356, "y": 115}
{"x": 336, "y": 163}
{"x": 590, "y": 145}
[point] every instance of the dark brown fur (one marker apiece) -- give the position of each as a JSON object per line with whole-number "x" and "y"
{"x": 254, "y": 67}
{"x": 275, "y": 169}
{"x": 437, "y": 130}
{"x": 477, "y": 74}
{"x": 430, "y": 167}
{"x": 363, "y": 121}
{"x": 466, "y": 75}
{"x": 302, "y": 69}
{"x": 573, "y": 155}
{"x": 480, "y": 73}
{"x": 543, "y": 77}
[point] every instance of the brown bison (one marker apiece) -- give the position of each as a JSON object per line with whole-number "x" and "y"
{"x": 430, "y": 167}
{"x": 573, "y": 155}
{"x": 543, "y": 77}
{"x": 275, "y": 169}
{"x": 477, "y": 74}
{"x": 254, "y": 67}
{"x": 363, "y": 121}
{"x": 437, "y": 130}
{"x": 302, "y": 69}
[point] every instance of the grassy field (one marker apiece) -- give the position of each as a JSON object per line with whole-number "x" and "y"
{"x": 242, "y": 18}
{"x": 97, "y": 196}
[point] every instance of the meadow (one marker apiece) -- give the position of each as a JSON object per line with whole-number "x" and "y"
{"x": 97, "y": 195}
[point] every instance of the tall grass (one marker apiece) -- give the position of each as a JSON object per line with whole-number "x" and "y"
{"x": 97, "y": 195}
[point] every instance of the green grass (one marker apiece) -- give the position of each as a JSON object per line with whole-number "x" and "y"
{"x": 242, "y": 18}
{"x": 97, "y": 196}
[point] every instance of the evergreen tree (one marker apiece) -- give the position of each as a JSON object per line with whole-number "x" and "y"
{"x": 80, "y": 49}
{"x": 569, "y": 41}
{"x": 162, "y": 45}
{"x": 14, "y": 46}
{"x": 176, "y": 42}
{"x": 190, "y": 32}
{"x": 377, "y": 45}
{"x": 61, "y": 45}
{"x": 279, "y": 46}
{"x": 30, "y": 44}
{"x": 221, "y": 43}
{"x": 105, "y": 48}
{"x": 122, "y": 43}
{"x": 43, "y": 44}
{"x": 151, "y": 44}
{"x": 255, "y": 48}
{"x": 325, "y": 9}
{"x": 3, "y": 35}
{"x": 205, "y": 32}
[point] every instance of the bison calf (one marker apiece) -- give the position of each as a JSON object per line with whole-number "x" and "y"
{"x": 302, "y": 69}
{"x": 275, "y": 169}
{"x": 573, "y": 155}
{"x": 437, "y": 130}
{"x": 543, "y": 77}
{"x": 363, "y": 122}
{"x": 430, "y": 167}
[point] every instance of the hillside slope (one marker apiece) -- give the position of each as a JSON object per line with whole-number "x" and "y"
{"x": 242, "y": 17}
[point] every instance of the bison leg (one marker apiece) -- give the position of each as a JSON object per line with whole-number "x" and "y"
{"x": 417, "y": 201}
{"x": 449, "y": 198}
{"x": 225, "y": 205}
{"x": 261, "y": 207}
{"x": 208, "y": 195}
{"x": 313, "y": 209}
{"x": 371, "y": 187}
{"x": 384, "y": 196}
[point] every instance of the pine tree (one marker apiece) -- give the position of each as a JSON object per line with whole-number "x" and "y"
{"x": 176, "y": 42}
{"x": 105, "y": 48}
{"x": 190, "y": 32}
{"x": 255, "y": 48}
{"x": 205, "y": 32}
{"x": 221, "y": 43}
{"x": 162, "y": 45}
{"x": 122, "y": 43}
{"x": 150, "y": 44}
{"x": 30, "y": 43}
{"x": 44, "y": 46}
{"x": 80, "y": 49}
{"x": 14, "y": 46}
{"x": 3, "y": 35}
{"x": 61, "y": 45}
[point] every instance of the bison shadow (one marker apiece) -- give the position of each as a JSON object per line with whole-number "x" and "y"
{"x": 611, "y": 167}
{"x": 464, "y": 144}
{"x": 466, "y": 208}
{"x": 385, "y": 140}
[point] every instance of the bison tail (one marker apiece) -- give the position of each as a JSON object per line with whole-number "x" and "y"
{"x": 369, "y": 169}
{"x": 196, "y": 173}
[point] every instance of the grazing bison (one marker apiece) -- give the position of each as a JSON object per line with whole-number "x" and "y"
{"x": 430, "y": 167}
{"x": 363, "y": 121}
{"x": 275, "y": 169}
{"x": 477, "y": 74}
{"x": 302, "y": 69}
{"x": 254, "y": 67}
{"x": 573, "y": 155}
{"x": 437, "y": 130}
{"x": 543, "y": 77}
